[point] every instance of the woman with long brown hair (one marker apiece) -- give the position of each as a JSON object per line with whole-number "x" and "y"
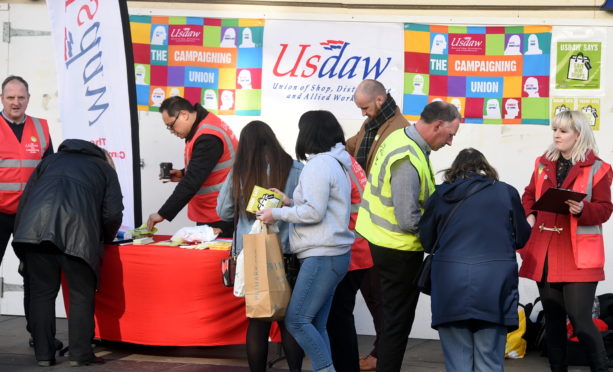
{"x": 260, "y": 160}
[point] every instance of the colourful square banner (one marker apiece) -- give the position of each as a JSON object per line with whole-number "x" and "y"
{"x": 217, "y": 62}
{"x": 494, "y": 75}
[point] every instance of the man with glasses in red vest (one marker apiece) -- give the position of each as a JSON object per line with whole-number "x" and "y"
{"x": 210, "y": 145}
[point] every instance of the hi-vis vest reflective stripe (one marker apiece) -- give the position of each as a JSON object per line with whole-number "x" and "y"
{"x": 376, "y": 220}
{"x": 19, "y": 159}
{"x": 201, "y": 208}
{"x": 587, "y": 241}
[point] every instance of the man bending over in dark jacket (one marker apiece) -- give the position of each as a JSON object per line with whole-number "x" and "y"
{"x": 71, "y": 205}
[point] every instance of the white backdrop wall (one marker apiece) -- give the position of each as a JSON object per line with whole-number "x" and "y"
{"x": 510, "y": 148}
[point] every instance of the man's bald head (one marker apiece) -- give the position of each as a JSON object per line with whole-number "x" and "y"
{"x": 369, "y": 97}
{"x": 371, "y": 89}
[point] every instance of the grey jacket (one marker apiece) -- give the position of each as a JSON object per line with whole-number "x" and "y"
{"x": 319, "y": 215}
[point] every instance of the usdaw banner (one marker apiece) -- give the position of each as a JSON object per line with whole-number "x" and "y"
{"x": 494, "y": 75}
{"x": 318, "y": 65}
{"x": 94, "y": 85}
{"x": 214, "y": 61}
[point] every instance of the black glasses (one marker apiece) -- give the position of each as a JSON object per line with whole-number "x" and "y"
{"x": 169, "y": 127}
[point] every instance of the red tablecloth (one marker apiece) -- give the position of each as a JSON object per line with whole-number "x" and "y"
{"x": 157, "y": 295}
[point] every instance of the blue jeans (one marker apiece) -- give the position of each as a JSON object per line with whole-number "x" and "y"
{"x": 473, "y": 346}
{"x": 307, "y": 313}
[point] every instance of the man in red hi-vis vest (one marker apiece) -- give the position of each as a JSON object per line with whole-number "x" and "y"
{"x": 25, "y": 141}
{"x": 210, "y": 145}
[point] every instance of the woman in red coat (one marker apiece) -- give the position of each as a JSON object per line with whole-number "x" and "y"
{"x": 565, "y": 253}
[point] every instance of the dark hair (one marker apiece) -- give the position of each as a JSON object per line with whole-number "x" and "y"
{"x": 439, "y": 110}
{"x": 173, "y": 105}
{"x": 19, "y": 79}
{"x": 468, "y": 161}
{"x": 318, "y": 132}
{"x": 260, "y": 160}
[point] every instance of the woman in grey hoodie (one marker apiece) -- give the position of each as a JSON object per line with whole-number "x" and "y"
{"x": 319, "y": 233}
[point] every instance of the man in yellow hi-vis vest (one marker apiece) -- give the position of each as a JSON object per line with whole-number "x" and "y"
{"x": 400, "y": 181}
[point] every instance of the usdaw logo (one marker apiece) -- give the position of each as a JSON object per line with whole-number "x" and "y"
{"x": 336, "y": 61}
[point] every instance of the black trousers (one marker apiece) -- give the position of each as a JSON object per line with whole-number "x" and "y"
{"x": 45, "y": 263}
{"x": 257, "y": 346}
{"x": 7, "y": 227}
{"x": 341, "y": 324}
{"x": 397, "y": 270}
{"x": 574, "y": 300}
{"x": 371, "y": 291}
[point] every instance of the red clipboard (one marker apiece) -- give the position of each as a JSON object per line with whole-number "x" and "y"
{"x": 553, "y": 200}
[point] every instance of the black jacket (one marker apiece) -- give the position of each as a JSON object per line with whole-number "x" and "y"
{"x": 73, "y": 200}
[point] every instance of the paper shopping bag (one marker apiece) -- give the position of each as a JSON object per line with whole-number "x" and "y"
{"x": 267, "y": 291}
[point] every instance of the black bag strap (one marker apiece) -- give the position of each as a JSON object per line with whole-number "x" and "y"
{"x": 473, "y": 190}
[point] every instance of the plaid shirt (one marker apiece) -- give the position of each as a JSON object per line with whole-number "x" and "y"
{"x": 388, "y": 110}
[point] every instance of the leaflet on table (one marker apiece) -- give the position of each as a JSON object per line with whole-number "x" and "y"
{"x": 215, "y": 245}
{"x": 127, "y": 236}
{"x": 142, "y": 241}
{"x": 168, "y": 243}
{"x": 136, "y": 241}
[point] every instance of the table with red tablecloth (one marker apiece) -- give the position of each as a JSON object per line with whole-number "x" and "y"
{"x": 161, "y": 295}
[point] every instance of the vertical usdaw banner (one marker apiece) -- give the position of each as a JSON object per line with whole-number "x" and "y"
{"x": 96, "y": 89}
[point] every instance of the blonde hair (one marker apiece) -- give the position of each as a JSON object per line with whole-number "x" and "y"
{"x": 577, "y": 122}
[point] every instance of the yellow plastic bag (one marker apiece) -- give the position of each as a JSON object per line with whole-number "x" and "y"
{"x": 516, "y": 345}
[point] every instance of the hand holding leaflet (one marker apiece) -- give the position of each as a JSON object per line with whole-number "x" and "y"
{"x": 554, "y": 200}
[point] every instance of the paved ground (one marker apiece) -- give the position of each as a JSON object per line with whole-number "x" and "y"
{"x": 15, "y": 355}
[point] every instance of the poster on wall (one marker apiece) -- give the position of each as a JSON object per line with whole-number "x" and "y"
{"x": 559, "y": 104}
{"x": 589, "y": 106}
{"x": 578, "y": 65}
{"x": 318, "y": 65}
{"x": 217, "y": 62}
{"x": 494, "y": 75}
